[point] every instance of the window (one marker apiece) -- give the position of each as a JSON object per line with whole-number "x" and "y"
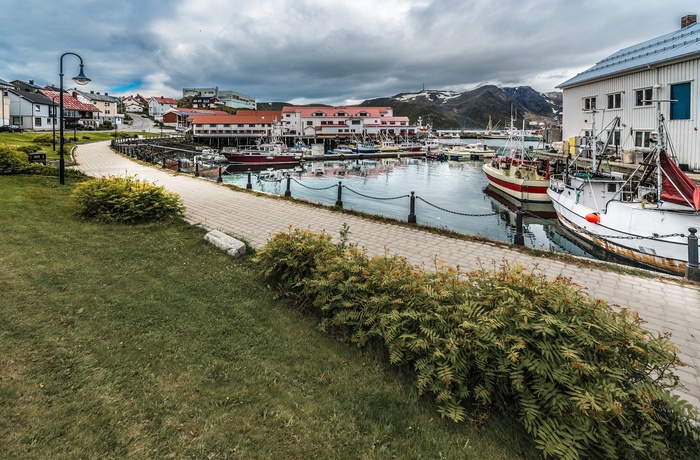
{"x": 106, "y": 104}
{"x": 641, "y": 138}
{"x": 37, "y": 108}
{"x": 680, "y": 109}
{"x": 37, "y": 121}
{"x": 588, "y": 103}
{"x": 309, "y": 123}
{"x": 615, "y": 101}
{"x": 642, "y": 97}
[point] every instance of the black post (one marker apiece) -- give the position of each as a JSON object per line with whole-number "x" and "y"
{"x": 249, "y": 185}
{"x": 692, "y": 269}
{"x": 179, "y": 165}
{"x": 412, "y": 212}
{"x": 218, "y": 178}
{"x": 288, "y": 192}
{"x": 339, "y": 201}
{"x": 519, "y": 238}
{"x": 164, "y": 165}
{"x": 196, "y": 168}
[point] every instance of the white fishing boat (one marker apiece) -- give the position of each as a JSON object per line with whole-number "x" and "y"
{"x": 515, "y": 172}
{"x": 643, "y": 217}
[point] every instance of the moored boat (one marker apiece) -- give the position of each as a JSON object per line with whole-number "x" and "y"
{"x": 275, "y": 153}
{"x": 514, "y": 172}
{"x": 641, "y": 217}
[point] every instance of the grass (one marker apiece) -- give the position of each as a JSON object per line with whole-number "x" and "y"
{"x": 147, "y": 342}
{"x": 27, "y": 140}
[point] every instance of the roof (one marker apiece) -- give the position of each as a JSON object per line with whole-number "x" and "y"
{"x": 678, "y": 45}
{"x": 70, "y": 102}
{"x": 165, "y": 100}
{"x": 35, "y": 98}
{"x": 308, "y": 111}
{"x": 188, "y": 111}
{"x": 96, "y": 96}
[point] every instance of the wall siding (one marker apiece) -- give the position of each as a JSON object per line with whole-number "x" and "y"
{"x": 683, "y": 134}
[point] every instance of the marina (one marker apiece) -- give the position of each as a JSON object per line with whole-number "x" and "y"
{"x": 449, "y": 195}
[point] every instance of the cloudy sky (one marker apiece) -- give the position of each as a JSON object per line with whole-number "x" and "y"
{"x": 321, "y": 51}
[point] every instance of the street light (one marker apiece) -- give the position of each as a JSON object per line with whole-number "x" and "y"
{"x": 80, "y": 79}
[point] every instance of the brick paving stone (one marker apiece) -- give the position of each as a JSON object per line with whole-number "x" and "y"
{"x": 670, "y": 306}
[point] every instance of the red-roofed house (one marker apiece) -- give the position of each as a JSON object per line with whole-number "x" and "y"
{"x": 157, "y": 106}
{"x": 74, "y": 111}
{"x": 178, "y": 116}
{"x": 243, "y": 124}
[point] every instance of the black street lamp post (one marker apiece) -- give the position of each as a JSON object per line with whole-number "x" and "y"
{"x": 80, "y": 79}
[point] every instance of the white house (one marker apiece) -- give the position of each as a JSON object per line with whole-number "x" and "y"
{"x": 628, "y": 84}
{"x": 4, "y": 103}
{"x": 158, "y": 106}
{"x": 30, "y": 111}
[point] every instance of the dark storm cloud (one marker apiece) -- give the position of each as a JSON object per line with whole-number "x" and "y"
{"x": 322, "y": 51}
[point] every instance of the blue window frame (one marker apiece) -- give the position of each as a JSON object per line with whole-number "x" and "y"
{"x": 680, "y": 109}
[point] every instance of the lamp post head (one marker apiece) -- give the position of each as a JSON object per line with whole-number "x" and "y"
{"x": 81, "y": 79}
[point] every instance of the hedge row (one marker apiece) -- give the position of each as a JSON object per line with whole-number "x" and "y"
{"x": 584, "y": 380}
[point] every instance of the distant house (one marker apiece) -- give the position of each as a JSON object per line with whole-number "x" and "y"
{"x": 246, "y": 124}
{"x": 108, "y": 105}
{"x": 29, "y": 110}
{"x": 4, "y": 102}
{"x": 629, "y": 82}
{"x": 157, "y": 106}
{"x": 75, "y": 112}
{"x": 179, "y": 117}
{"x": 228, "y": 98}
{"x": 27, "y": 86}
{"x": 132, "y": 104}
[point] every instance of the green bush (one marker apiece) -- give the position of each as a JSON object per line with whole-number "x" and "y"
{"x": 126, "y": 200}
{"x": 43, "y": 139}
{"x": 12, "y": 161}
{"x": 584, "y": 380}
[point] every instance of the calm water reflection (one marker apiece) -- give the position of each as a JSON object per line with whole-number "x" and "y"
{"x": 449, "y": 195}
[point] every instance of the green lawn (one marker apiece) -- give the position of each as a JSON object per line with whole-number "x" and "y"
{"x": 81, "y": 137}
{"x": 147, "y": 342}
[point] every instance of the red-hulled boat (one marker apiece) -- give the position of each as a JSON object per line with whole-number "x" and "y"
{"x": 262, "y": 154}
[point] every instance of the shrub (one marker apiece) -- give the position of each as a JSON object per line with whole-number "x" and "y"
{"x": 43, "y": 139}
{"x": 126, "y": 200}
{"x": 584, "y": 380}
{"x": 12, "y": 160}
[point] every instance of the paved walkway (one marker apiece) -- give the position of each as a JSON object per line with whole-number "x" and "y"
{"x": 666, "y": 305}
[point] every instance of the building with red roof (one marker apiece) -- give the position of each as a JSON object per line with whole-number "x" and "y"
{"x": 157, "y": 106}
{"x": 74, "y": 111}
{"x": 332, "y": 122}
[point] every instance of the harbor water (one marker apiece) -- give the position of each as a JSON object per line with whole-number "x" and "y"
{"x": 449, "y": 195}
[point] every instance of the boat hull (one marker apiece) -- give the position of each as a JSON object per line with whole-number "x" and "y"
{"x": 257, "y": 159}
{"x": 628, "y": 229}
{"x": 522, "y": 189}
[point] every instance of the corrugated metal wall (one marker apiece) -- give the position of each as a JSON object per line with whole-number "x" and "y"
{"x": 684, "y": 134}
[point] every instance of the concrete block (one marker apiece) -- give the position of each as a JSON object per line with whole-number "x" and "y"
{"x": 226, "y": 243}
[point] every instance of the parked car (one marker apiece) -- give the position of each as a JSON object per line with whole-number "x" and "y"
{"x": 10, "y": 129}
{"x": 181, "y": 129}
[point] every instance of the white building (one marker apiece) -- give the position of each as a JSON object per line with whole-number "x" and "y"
{"x": 228, "y": 98}
{"x": 624, "y": 84}
{"x": 331, "y": 122}
{"x": 30, "y": 111}
{"x": 158, "y": 106}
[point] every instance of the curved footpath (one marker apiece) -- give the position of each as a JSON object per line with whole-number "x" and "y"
{"x": 666, "y": 304}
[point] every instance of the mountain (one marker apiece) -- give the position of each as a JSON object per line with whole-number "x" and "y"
{"x": 471, "y": 109}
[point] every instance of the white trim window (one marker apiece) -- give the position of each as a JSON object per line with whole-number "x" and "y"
{"x": 615, "y": 101}
{"x": 642, "y": 97}
{"x": 641, "y": 139}
{"x": 589, "y": 103}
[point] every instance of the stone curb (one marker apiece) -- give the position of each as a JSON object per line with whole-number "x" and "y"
{"x": 226, "y": 243}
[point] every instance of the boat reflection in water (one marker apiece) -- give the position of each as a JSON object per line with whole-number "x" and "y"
{"x": 449, "y": 195}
